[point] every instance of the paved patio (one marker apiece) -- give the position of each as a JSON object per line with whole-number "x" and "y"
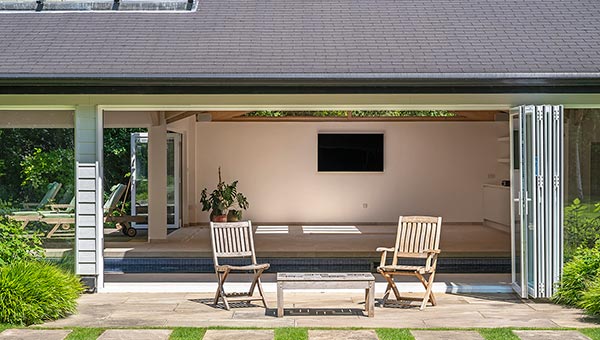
{"x": 309, "y": 309}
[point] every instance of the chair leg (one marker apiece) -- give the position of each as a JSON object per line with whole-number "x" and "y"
{"x": 391, "y": 285}
{"x": 425, "y": 285}
{"x": 428, "y": 293}
{"x": 221, "y": 289}
{"x": 54, "y": 229}
{"x": 257, "y": 284}
{"x": 262, "y": 294}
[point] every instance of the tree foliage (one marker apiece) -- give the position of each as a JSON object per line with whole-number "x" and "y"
{"x": 343, "y": 114}
{"x": 32, "y": 158}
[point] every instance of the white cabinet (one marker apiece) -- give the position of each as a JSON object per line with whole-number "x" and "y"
{"x": 496, "y": 206}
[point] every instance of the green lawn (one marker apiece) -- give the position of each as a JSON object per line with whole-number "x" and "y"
{"x": 85, "y": 333}
{"x": 592, "y": 333}
{"x": 291, "y": 333}
{"x": 394, "y": 334}
{"x": 182, "y": 333}
{"x": 498, "y": 334}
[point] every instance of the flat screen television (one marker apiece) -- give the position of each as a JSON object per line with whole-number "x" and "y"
{"x": 350, "y": 152}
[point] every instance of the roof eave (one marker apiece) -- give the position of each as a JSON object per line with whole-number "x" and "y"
{"x": 302, "y": 83}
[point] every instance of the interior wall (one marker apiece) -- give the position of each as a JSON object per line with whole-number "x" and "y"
{"x": 431, "y": 168}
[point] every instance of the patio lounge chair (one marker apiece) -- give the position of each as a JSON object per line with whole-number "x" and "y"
{"x": 32, "y": 213}
{"x": 234, "y": 240}
{"x": 66, "y": 219}
{"x": 417, "y": 237}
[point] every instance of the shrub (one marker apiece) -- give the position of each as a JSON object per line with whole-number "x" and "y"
{"x": 578, "y": 275}
{"x": 590, "y": 301}
{"x": 16, "y": 244}
{"x": 32, "y": 292}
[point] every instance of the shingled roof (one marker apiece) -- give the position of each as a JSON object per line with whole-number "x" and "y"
{"x": 310, "y": 39}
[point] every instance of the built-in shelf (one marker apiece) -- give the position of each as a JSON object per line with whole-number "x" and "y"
{"x": 504, "y": 139}
{"x": 504, "y": 160}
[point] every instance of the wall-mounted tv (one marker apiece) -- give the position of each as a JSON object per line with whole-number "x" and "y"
{"x": 350, "y": 152}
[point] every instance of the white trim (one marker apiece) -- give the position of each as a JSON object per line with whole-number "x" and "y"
{"x": 100, "y": 197}
{"x": 37, "y": 107}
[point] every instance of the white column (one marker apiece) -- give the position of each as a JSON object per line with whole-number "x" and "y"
{"x": 157, "y": 178}
{"x": 192, "y": 200}
{"x": 89, "y": 219}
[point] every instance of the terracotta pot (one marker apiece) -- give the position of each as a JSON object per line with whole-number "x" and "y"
{"x": 218, "y": 218}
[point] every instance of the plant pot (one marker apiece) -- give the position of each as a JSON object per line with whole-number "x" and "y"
{"x": 234, "y": 215}
{"x": 218, "y": 218}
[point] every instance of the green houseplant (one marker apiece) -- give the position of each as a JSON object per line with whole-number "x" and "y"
{"x": 225, "y": 203}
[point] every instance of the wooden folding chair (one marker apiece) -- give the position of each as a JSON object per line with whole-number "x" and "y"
{"x": 417, "y": 237}
{"x": 234, "y": 240}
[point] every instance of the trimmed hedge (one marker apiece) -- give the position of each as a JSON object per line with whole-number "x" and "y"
{"x": 33, "y": 292}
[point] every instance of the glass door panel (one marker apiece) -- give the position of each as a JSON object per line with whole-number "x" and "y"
{"x": 139, "y": 173}
{"x": 536, "y": 190}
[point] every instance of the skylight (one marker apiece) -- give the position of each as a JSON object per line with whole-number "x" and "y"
{"x": 97, "y": 5}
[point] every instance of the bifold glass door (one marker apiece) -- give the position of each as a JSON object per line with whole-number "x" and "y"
{"x": 139, "y": 178}
{"x": 536, "y": 188}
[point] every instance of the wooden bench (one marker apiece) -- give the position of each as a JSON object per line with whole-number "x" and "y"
{"x": 364, "y": 281}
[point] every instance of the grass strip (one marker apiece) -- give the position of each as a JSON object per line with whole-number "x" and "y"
{"x": 85, "y": 333}
{"x": 291, "y": 333}
{"x": 186, "y": 333}
{"x": 592, "y": 333}
{"x": 394, "y": 334}
{"x": 498, "y": 334}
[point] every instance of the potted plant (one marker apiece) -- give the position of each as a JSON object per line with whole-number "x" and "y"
{"x": 224, "y": 203}
{"x": 240, "y": 203}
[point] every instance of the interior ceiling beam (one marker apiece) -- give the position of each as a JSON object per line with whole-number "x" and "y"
{"x": 219, "y": 116}
{"x": 172, "y": 117}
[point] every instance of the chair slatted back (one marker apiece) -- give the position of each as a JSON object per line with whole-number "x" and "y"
{"x": 232, "y": 239}
{"x": 416, "y": 234}
{"x": 53, "y": 189}
{"x": 116, "y": 192}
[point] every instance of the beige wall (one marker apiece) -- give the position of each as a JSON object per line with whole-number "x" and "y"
{"x": 435, "y": 168}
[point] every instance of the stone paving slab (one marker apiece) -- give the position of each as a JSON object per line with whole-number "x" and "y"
{"x": 135, "y": 334}
{"x": 347, "y": 335}
{"x": 214, "y": 334}
{"x": 550, "y": 335}
{"x": 447, "y": 335}
{"x": 34, "y": 334}
{"x": 115, "y": 310}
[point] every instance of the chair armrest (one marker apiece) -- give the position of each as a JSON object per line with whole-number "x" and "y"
{"x": 380, "y": 249}
{"x": 29, "y": 205}
{"x": 60, "y": 206}
{"x": 431, "y": 251}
